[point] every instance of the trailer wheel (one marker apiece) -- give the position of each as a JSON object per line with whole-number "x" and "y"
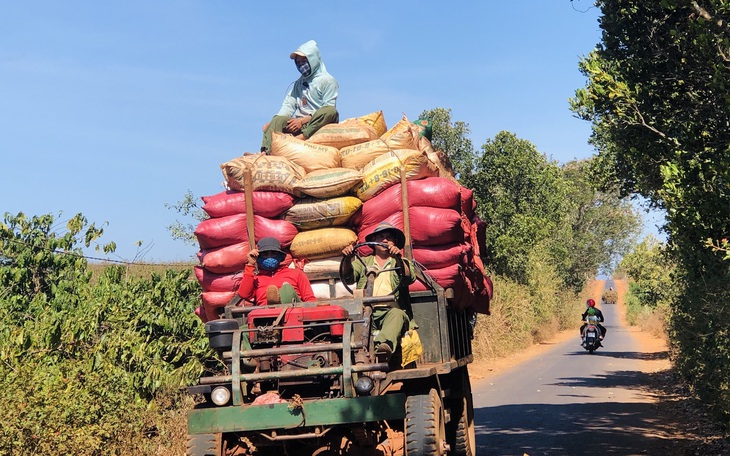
{"x": 425, "y": 433}
{"x": 460, "y": 430}
{"x": 465, "y": 441}
{"x": 204, "y": 445}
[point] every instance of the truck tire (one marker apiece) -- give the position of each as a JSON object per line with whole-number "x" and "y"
{"x": 465, "y": 441}
{"x": 460, "y": 432}
{"x": 425, "y": 433}
{"x": 204, "y": 445}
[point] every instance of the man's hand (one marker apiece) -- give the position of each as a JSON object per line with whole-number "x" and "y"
{"x": 252, "y": 256}
{"x": 347, "y": 265}
{"x": 393, "y": 250}
{"x": 295, "y": 125}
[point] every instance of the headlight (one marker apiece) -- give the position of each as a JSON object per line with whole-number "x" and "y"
{"x": 220, "y": 395}
{"x": 364, "y": 385}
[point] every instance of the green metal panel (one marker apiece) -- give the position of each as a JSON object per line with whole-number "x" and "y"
{"x": 318, "y": 412}
{"x": 426, "y": 313}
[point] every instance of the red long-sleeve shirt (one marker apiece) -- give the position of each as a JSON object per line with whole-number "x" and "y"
{"x": 253, "y": 287}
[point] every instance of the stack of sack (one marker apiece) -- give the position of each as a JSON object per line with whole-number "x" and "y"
{"x": 447, "y": 236}
{"x": 320, "y": 195}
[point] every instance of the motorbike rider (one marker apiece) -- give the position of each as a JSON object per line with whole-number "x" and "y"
{"x": 591, "y": 305}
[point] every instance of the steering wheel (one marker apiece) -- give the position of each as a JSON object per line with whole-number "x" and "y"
{"x": 399, "y": 269}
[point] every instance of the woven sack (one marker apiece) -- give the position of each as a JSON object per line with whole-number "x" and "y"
{"x": 343, "y": 134}
{"x": 321, "y": 243}
{"x": 309, "y": 156}
{"x": 278, "y": 174}
{"x": 328, "y": 183}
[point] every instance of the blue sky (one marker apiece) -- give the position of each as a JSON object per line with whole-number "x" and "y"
{"x": 113, "y": 109}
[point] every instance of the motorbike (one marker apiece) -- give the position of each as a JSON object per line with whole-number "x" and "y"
{"x": 591, "y": 340}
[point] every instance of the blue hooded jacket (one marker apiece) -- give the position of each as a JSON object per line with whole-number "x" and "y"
{"x": 311, "y": 92}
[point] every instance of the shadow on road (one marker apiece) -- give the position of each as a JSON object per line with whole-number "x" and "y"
{"x": 616, "y": 379}
{"x": 575, "y": 429}
{"x": 585, "y": 427}
{"x": 655, "y": 356}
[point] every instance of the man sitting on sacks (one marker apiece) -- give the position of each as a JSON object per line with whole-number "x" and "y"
{"x": 310, "y": 103}
{"x": 274, "y": 283}
{"x": 390, "y": 324}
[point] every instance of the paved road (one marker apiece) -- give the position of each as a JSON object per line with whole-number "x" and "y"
{"x": 569, "y": 402}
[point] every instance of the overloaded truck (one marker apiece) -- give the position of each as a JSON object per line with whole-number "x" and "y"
{"x": 304, "y": 378}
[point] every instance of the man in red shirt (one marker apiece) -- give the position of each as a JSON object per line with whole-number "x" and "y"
{"x": 274, "y": 283}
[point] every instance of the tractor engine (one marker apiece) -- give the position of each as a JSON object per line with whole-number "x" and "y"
{"x": 298, "y": 327}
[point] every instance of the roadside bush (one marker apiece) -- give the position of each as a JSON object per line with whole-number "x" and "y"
{"x": 523, "y": 315}
{"x": 89, "y": 369}
{"x": 699, "y": 330}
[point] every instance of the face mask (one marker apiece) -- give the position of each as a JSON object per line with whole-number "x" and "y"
{"x": 269, "y": 263}
{"x": 304, "y": 69}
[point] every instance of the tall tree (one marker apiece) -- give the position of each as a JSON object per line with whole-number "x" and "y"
{"x": 598, "y": 227}
{"x": 521, "y": 196}
{"x": 529, "y": 201}
{"x": 451, "y": 138}
{"x": 189, "y": 207}
{"x": 657, "y": 96}
{"x": 650, "y": 269}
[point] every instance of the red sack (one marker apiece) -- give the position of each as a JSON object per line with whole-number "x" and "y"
{"x": 200, "y": 312}
{"x": 430, "y": 192}
{"x": 213, "y": 301}
{"x": 231, "y": 229}
{"x": 224, "y": 260}
{"x": 228, "y": 259}
{"x": 439, "y": 256}
{"x": 265, "y": 203}
{"x": 478, "y": 236}
{"x": 463, "y": 293}
{"x": 210, "y": 281}
{"x": 429, "y": 226}
{"x": 483, "y": 296}
{"x": 483, "y": 289}
{"x": 468, "y": 205}
{"x": 446, "y": 277}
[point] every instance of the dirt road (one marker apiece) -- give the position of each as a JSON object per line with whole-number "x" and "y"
{"x": 557, "y": 399}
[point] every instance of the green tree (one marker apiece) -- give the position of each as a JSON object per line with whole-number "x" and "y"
{"x": 192, "y": 213}
{"x": 452, "y": 139}
{"x": 518, "y": 188}
{"x": 598, "y": 227}
{"x": 521, "y": 198}
{"x": 657, "y": 96}
{"x": 650, "y": 270}
{"x": 36, "y": 261}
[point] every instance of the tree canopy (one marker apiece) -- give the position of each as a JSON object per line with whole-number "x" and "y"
{"x": 536, "y": 209}
{"x": 658, "y": 99}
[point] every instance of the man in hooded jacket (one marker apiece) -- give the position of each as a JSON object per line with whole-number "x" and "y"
{"x": 311, "y": 101}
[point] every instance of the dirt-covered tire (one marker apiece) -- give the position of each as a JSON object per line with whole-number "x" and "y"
{"x": 425, "y": 433}
{"x": 460, "y": 433}
{"x": 204, "y": 445}
{"x": 465, "y": 438}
